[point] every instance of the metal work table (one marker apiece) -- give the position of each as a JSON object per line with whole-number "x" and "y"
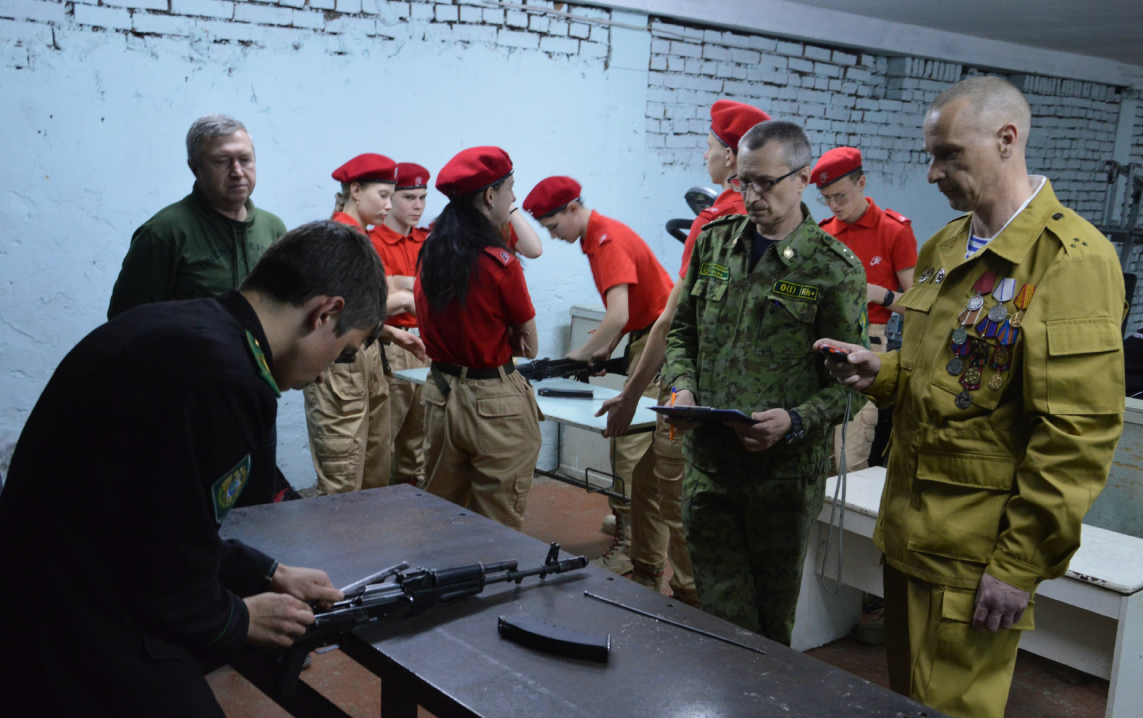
{"x": 451, "y": 660}
{"x": 579, "y": 413}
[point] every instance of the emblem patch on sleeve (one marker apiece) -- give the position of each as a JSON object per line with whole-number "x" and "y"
{"x": 797, "y": 291}
{"x": 863, "y": 323}
{"x": 225, "y": 492}
{"x": 710, "y": 269}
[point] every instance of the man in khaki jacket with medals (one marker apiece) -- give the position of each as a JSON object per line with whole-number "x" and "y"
{"x": 1009, "y": 396}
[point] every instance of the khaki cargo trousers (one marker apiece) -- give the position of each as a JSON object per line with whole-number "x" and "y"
{"x": 657, "y": 533}
{"x": 481, "y": 444}
{"x": 935, "y": 655}
{"x": 347, "y": 417}
{"x": 407, "y": 416}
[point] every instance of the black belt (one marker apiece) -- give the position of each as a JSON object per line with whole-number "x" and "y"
{"x": 438, "y": 368}
{"x": 636, "y": 334}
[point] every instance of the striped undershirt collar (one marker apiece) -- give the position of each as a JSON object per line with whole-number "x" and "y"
{"x": 975, "y": 244}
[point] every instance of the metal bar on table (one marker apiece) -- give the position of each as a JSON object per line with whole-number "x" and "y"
{"x": 676, "y": 624}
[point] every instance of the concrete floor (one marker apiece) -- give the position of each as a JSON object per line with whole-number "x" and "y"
{"x": 558, "y": 512}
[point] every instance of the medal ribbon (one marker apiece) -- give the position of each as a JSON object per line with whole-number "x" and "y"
{"x": 1024, "y": 298}
{"x": 986, "y": 282}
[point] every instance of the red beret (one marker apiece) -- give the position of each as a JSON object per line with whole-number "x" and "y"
{"x": 367, "y": 168}
{"x": 411, "y": 176}
{"x": 551, "y": 195}
{"x": 472, "y": 170}
{"x": 835, "y": 164}
{"x": 730, "y": 120}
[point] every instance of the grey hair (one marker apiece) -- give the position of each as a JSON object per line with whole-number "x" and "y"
{"x": 996, "y": 102}
{"x": 795, "y": 144}
{"x": 205, "y": 128}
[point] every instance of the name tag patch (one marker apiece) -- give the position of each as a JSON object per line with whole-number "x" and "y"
{"x": 796, "y": 291}
{"x": 710, "y": 269}
{"x": 225, "y": 492}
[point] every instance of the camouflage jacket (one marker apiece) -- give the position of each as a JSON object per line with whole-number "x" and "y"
{"x": 743, "y": 340}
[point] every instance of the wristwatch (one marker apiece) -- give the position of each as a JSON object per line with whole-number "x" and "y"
{"x": 797, "y": 432}
{"x": 889, "y": 297}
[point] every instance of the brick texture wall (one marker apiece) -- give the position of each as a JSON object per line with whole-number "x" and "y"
{"x": 27, "y": 26}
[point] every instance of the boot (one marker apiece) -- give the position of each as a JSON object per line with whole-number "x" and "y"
{"x": 617, "y": 558}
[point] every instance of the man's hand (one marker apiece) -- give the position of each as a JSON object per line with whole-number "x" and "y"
{"x": 619, "y": 409}
{"x": 276, "y": 619}
{"x": 998, "y": 604}
{"x": 409, "y": 342}
{"x": 772, "y": 426}
{"x": 858, "y": 370}
{"x": 684, "y": 398}
{"x": 305, "y": 584}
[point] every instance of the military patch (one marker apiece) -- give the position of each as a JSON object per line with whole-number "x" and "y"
{"x": 797, "y": 291}
{"x": 925, "y": 276}
{"x": 225, "y": 492}
{"x": 710, "y": 269}
{"x": 260, "y": 360}
{"x": 863, "y": 322}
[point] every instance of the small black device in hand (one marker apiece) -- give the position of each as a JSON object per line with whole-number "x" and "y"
{"x": 832, "y": 353}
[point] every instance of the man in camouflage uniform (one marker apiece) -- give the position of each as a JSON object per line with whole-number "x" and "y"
{"x": 758, "y": 291}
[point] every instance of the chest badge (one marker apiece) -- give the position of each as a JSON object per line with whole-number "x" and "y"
{"x": 925, "y": 276}
{"x": 940, "y": 276}
{"x": 788, "y": 253}
{"x": 260, "y": 361}
{"x": 225, "y": 492}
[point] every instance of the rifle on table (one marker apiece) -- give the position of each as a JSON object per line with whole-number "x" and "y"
{"x": 374, "y": 599}
{"x": 541, "y": 369}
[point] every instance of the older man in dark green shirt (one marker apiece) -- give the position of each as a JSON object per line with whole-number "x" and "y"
{"x": 207, "y": 242}
{"x": 758, "y": 291}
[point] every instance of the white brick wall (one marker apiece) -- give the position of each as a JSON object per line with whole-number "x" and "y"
{"x": 446, "y": 21}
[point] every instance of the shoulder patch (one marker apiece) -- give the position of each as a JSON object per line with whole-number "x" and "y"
{"x": 224, "y": 493}
{"x": 898, "y": 217}
{"x": 260, "y": 361}
{"x": 500, "y": 255}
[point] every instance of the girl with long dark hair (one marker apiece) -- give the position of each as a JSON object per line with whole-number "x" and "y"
{"x": 482, "y": 424}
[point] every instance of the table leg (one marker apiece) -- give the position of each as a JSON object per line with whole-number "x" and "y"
{"x": 1126, "y": 692}
{"x": 259, "y": 668}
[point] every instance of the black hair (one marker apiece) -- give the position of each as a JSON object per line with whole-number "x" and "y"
{"x": 330, "y": 259}
{"x": 449, "y": 255}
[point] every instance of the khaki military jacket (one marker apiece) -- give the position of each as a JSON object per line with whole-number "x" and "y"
{"x": 1000, "y": 480}
{"x": 743, "y": 340}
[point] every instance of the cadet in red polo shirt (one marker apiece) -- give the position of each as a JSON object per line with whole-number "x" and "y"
{"x": 634, "y": 288}
{"x": 482, "y": 424}
{"x": 398, "y": 240}
{"x": 883, "y": 240}
{"x": 657, "y": 533}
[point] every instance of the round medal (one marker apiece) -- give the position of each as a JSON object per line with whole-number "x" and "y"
{"x": 996, "y": 381}
{"x": 997, "y": 314}
{"x": 963, "y": 400}
{"x": 955, "y": 366}
{"x": 972, "y": 375}
{"x": 1001, "y": 356}
{"x": 975, "y": 303}
{"x": 1019, "y": 317}
{"x": 959, "y": 335}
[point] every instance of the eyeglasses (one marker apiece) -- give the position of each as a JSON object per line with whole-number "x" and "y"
{"x": 761, "y": 186}
{"x": 833, "y": 199}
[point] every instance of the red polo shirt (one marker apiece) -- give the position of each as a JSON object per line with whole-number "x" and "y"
{"x": 729, "y": 202}
{"x": 343, "y": 218}
{"x": 476, "y": 335}
{"x": 399, "y": 254}
{"x": 883, "y": 240}
{"x": 619, "y": 256}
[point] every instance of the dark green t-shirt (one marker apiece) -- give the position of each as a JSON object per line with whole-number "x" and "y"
{"x": 188, "y": 251}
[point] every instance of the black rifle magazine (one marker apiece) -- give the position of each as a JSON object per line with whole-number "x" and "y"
{"x": 533, "y": 633}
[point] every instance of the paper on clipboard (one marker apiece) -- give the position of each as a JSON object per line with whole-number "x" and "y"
{"x": 705, "y": 414}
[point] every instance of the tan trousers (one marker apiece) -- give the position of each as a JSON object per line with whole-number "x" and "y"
{"x": 657, "y": 533}
{"x": 347, "y": 416}
{"x": 407, "y": 412}
{"x": 626, "y": 451}
{"x": 862, "y": 425}
{"x": 937, "y": 658}
{"x": 481, "y": 444}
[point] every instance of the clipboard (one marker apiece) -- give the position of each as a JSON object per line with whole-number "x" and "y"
{"x": 704, "y": 414}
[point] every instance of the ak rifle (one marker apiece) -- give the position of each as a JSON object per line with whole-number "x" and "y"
{"x": 376, "y": 598}
{"x": 541, "y": 369}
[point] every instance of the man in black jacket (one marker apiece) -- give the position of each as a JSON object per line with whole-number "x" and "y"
{"x": 151, "y": 429}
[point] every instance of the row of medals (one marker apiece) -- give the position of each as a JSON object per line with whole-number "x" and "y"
{"x": 972, "y": 355}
